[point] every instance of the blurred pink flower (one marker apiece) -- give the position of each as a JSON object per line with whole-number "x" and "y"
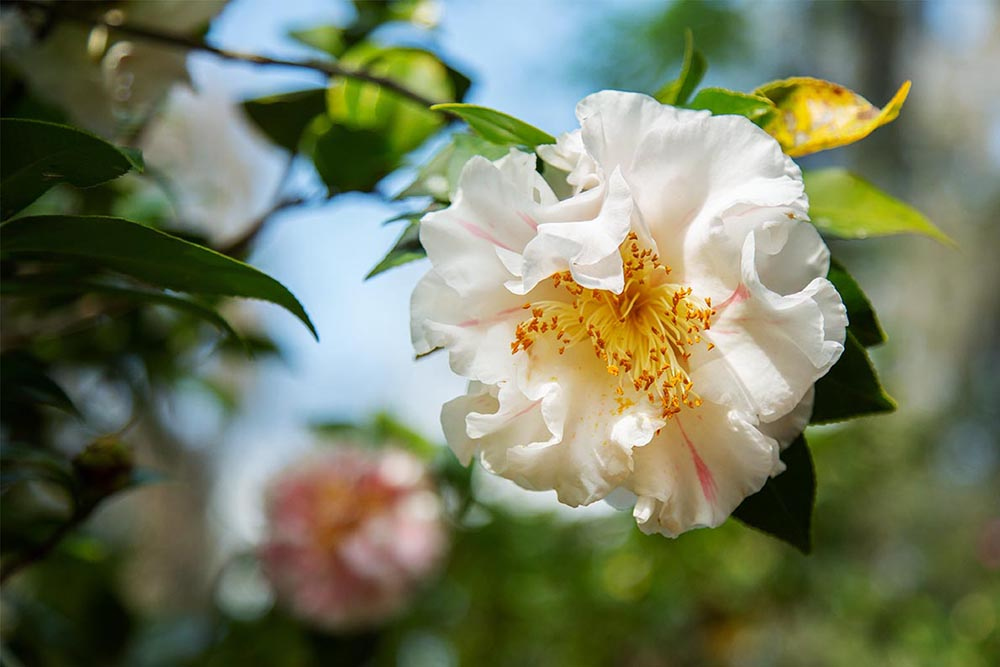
{"x": 351, "y": 535}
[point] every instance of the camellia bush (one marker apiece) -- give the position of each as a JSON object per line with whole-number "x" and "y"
{"x": 645, "y": 308}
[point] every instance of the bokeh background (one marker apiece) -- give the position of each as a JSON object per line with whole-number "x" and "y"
{"x": 906, "y": 563}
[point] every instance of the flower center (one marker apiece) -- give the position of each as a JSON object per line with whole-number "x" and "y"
{"x": 642, "y": 335}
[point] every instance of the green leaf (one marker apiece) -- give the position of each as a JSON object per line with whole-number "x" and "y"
{"x": 24, "y": 381}
{"x": 722, "y": 102}
{"x": 406, "y": 249}
{"x": 45, "y": 285}
{"x": 283, "y": 118}
{"x": 326, "y": 38}
{"x": 439, "y": 177}
{"x": 845, "y": 205}
{"x": 35, "y": 155}
{"x": 693, "y": 68}
{"x": 384, "y": 430}
{"x": 496, "y": 126}
{"x": 784, "y": 507}
{"x": 146, "y": 254}
{"x": 369, "y": 129}
{"x": 864, "y": 323}
{"x": 351, "y": 158}
{"x": 362, "y": 105}
{"x": 851, "y": 388}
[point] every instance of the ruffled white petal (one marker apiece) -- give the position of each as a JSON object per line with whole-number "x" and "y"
{"x": 698, "y": 469}
{"x": 570, "y": 435}
{"x": 769, "y": 348}
{"x": 788, "y": 427}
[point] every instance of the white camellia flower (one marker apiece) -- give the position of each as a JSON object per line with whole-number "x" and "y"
{"x": 656, "y": 332}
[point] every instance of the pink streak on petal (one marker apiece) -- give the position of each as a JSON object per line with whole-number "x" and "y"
{"x": 741, "y": 293}
{"x": 705, "y": 477}
{"x": 528, "y": 219}
{"x": 478, "y": 231}
{"x": 499, "y": 316}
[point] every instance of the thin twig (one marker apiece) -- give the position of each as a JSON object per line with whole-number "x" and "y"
{"x": 238, "y": 246}
{"x": 329, "y": 68}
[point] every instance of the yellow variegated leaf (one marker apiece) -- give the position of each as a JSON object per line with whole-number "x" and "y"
{"x": 815, "y": 115}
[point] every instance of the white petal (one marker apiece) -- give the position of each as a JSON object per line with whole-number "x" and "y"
{"x": 569, "y": 156}
{"x": 476, "y": 332}
{"x": 686, "y": 177}
{"x": 614, "y": 124}
{"x": 565, "y": 432}
{"x": 479, "y": 399}
{"x": 770, "y": 348}
{"x": 785, "y": 429}
{"x": 703, "y": 463}
{"x": 491, "y": 212}
{"x": 588, "y": 248}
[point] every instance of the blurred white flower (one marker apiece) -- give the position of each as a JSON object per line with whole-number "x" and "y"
{"x": 351, "y": 535}
{"x": 221, "y": 173}
{"x": 105, "y": 87}
{"x": 658, "y": 331}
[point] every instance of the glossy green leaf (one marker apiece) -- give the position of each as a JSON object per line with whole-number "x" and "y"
{"x": 406, "y": 249}
{"x": 439, "y": 177}
{"x": 845, "y": 205}
{"x": 368, "y": 128}
{"x": 368, "y": 106}
{"x": 35, "y": 155}
{"x": 326, "y": 38}
{"x": 145, "y": 254}
{"x": 784, "y": 507}
{"x": 693, "y": 68}
{"x": 283, "y": 118}
{"x": 851, "y": 388}
{"x": 722, "y": 102}
{"x": 496, "y": 126}
{"x": 864, "y": 323}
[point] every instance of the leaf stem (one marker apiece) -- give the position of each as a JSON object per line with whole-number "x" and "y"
{"x": 327, "y": 67}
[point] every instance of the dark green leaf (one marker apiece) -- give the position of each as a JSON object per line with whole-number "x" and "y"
{"x": 283, "y": 118}
{"x": 36, "y": 463}
{"x": 24, "y": 381}
{"x": 851, "y": 388}
{"x": 784, "y": 507}
{"x": 352, "y": 158}
{"x": 146, "y": 254}
{"x": 721, "y": 101}
{"x": 406, "y": 249}
{"x": 863, "y": 321}
{"x": 850, "y": 207}
{"x": 35, "y": 155}
{"x": 496, "y": 126}
{"x": 439, "y": 177}
{"x": 693, "y": 69}
{"x": 35, "y": 286}
{"x": 327, "y": 38}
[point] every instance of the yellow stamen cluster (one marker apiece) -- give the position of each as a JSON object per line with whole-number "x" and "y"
{"x": 642, "y": 335}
